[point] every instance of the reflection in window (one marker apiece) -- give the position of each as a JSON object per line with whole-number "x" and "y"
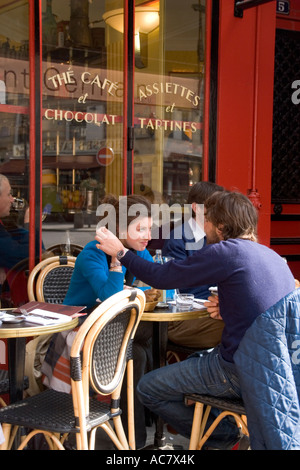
{"x": 169, "y": 84}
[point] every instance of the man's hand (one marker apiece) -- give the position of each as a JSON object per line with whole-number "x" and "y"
{"x": 108, "y": 242}
{"x": 212, "y": 306}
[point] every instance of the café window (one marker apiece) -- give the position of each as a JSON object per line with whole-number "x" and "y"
{"x": 14, "y": 151}
{"x": 84, "y": 97}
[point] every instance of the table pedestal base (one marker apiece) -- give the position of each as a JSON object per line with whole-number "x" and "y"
{"x": 16, "y": 355}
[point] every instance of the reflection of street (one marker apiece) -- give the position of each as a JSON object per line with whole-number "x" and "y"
{"x": 55, "y": 234}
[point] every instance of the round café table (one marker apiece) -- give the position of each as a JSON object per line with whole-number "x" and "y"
{"x": 16, "y": 334}
{"x": 160, "y": 318}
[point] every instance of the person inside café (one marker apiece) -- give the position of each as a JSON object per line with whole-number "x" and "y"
{"x": 200, "y": 333}
{"x": 14, "y": 248}
{"x": 250, "y": 278}
{"x": 95, "y": 278}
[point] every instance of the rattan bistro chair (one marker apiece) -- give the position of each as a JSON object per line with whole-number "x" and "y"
{"x": 105, "y": 340}
{"x": 228, "y": 407}
{"x": 49, "y": 280}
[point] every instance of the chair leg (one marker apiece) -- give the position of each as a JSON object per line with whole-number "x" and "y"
{"x": 241, "y": 421}
{"x": 6, "y": 428}
{"x": 130, "y": 406}
{"x": 113, "y": 435}
{"x": 56, "y": 442}
{"x": 245, "y": 423}
{"x": 78, "y": 397}
{"x": 173, "y": 354}
{"x": 120, "y": 432}
{"x": 92, "y": 439}
{"x": 196, "y": 426}
{"x": 12, "y": 436}
{"x": 238, "y": 420}
{"x": 2, "y": 402}
{"x": 197, "y": 439}
{"x": 204, "y": 421}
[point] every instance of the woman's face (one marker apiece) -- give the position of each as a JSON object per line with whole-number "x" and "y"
{"x": 138, "y": 234}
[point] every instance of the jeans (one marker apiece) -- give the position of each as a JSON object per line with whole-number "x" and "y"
{"x": 162, "y": 391}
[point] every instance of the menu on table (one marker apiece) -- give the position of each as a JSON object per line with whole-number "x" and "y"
{"x": 43, "y": 313}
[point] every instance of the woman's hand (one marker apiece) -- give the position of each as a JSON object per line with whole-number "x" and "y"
{"x": 108, "y": 242}
{"x": 212, "y": 306}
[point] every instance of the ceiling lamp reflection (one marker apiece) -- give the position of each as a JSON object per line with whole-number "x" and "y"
{"x": 146, "y": 19}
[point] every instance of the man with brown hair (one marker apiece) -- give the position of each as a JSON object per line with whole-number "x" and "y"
{"x": 250, "y": 279}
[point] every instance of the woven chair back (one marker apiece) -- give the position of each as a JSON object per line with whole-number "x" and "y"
{"x": 109, "y": 353}
{"x": 49, "y": 280}
{"x": 107, "y": 340}
{"x": 56, "y": 284}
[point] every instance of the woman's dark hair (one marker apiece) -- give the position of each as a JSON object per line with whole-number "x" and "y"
{"x": 119, "y": 212}
{"x": 233, "y": 214}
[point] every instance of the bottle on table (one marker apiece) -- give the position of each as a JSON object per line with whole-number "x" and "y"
{"x": 158, "y": 258}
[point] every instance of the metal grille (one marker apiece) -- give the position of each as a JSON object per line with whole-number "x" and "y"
{"x": 286, "y": 121}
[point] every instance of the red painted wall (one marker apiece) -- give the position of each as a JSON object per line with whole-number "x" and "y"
{"x": 245, "y": 104}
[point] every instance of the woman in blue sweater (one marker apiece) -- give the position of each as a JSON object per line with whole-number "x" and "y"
{"x": 96, "y": 277}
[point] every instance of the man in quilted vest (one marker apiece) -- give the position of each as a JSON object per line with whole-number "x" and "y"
{"x": 250, "y": 278}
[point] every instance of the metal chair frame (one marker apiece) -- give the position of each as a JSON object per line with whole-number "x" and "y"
{"x": 99, "y": 355}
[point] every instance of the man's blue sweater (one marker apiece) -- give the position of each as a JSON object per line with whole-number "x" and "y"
{"x": 250, "y": 279}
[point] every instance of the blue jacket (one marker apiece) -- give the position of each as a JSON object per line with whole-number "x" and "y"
{"x": 268, "y": 365}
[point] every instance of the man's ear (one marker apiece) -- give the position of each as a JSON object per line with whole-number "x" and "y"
{"x": 198, "y": 213}
{"x": 194, "y": 207}
{"x": 197, "y": 208}
{"x": 219, "y": 231}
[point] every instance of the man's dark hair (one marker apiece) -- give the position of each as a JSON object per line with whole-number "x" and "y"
{"x": 199, "y": 192}
{"x": 233, "y": 214}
